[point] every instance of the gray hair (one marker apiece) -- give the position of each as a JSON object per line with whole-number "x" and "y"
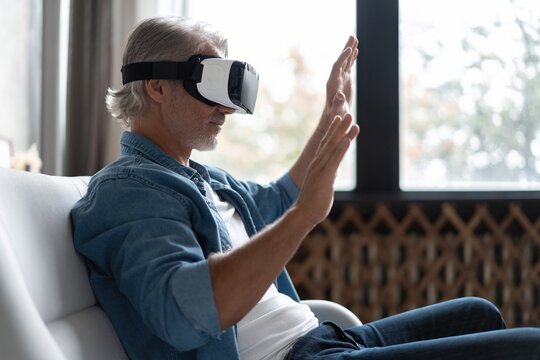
{"x": 158, "y": 39}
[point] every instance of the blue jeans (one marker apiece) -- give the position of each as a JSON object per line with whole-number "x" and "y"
{"x": 461, "y": 329}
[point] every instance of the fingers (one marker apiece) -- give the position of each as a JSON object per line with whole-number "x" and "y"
{"x": 345, "y": 129}
{"x": 329, "y": 133}
{"x": 348, "y": 56}
{"x": 326, "y": 163}
{"x": 340, "y": 128}
{"x": 342, "y": 138}
{"x": 343, "y": 60}
{"x": 352, "y": 42}
{"x": 351, "y": 60}
{"x": 354, "y": 130}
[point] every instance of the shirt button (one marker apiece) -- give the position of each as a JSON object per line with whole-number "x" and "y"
{"x": 227, "y": 247}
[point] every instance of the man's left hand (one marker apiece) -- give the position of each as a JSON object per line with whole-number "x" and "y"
{"x": 339, "y": 85}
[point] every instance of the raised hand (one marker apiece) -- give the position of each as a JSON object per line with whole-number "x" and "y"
{"x": 339, "y": 98}
{"x": 317, "y": 193}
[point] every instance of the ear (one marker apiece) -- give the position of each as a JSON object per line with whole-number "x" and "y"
{"x": 154, "y": 89}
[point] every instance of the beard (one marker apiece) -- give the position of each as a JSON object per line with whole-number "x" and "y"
{"x": 204, "y": 143}
{"x": 204, "y": 138}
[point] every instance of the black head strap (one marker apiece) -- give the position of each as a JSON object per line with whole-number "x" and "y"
{"x": 190, "y": 71}
{"x": 162, "y": 70}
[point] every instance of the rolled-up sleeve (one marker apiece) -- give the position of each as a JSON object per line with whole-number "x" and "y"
{"x": 289, "y": 186}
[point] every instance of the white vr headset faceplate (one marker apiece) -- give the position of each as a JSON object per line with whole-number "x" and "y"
{"x": 214, "y": 80}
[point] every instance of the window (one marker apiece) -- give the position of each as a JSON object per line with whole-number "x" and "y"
{"x": 443, "y": 90}
{"x": 470, "y": 95}
{"x": 292, "y": 45}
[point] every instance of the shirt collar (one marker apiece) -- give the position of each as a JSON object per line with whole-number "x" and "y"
{"x": 136, "y": 144}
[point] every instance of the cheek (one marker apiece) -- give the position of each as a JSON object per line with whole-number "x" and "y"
{"x": 199, "y": 106}
{"x": 189, "y": 108}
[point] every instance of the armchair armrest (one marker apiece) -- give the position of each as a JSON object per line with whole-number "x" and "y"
{"x": 331, "y": 311}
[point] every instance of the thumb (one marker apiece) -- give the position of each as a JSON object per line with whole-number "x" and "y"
{"x": 339, "y": 104}
{"x": 339, "y": 99}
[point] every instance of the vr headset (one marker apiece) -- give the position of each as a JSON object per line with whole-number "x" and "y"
{"x": 212, "y": 80}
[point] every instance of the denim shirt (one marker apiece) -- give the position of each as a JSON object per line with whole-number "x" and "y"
{"x": 145, "y": 230}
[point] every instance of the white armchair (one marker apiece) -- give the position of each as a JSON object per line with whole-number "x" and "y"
{"x": 47, "y": 309}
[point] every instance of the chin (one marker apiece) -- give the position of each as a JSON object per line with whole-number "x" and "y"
{"x": 209, "y": 146}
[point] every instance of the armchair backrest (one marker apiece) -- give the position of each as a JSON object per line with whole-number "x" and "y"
{"x": 47, "y": 308}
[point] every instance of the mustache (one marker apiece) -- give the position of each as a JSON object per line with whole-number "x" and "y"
{"x": 218, "y": 118}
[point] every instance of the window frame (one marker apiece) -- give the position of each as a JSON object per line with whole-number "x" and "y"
{"x": 378, "y": 114}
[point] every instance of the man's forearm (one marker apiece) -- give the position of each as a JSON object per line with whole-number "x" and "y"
{"x": 242, "y": 276}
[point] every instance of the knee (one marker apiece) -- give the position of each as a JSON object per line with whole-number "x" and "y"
{"x": 479, "y": 307}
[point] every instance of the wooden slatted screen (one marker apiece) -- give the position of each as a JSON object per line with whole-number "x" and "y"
{"x": 378, "y": 265}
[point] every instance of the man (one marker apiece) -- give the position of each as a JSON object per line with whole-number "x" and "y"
{"x": 187, "y": 261}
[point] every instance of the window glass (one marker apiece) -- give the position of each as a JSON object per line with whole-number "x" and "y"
{"x": 470, "y": 94}
{"x": 292, "y": 45}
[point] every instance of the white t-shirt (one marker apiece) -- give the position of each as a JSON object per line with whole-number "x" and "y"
{"x": 270, "y": 329}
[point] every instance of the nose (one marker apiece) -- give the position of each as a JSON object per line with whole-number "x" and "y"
{"x": 226, "y": 110}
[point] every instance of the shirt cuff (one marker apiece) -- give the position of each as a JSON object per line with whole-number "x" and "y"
{"x": 192, "y": 288}
{"x": 291, "y": 189}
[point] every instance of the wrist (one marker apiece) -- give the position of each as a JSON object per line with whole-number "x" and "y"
{"x": 300, "y": 220}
